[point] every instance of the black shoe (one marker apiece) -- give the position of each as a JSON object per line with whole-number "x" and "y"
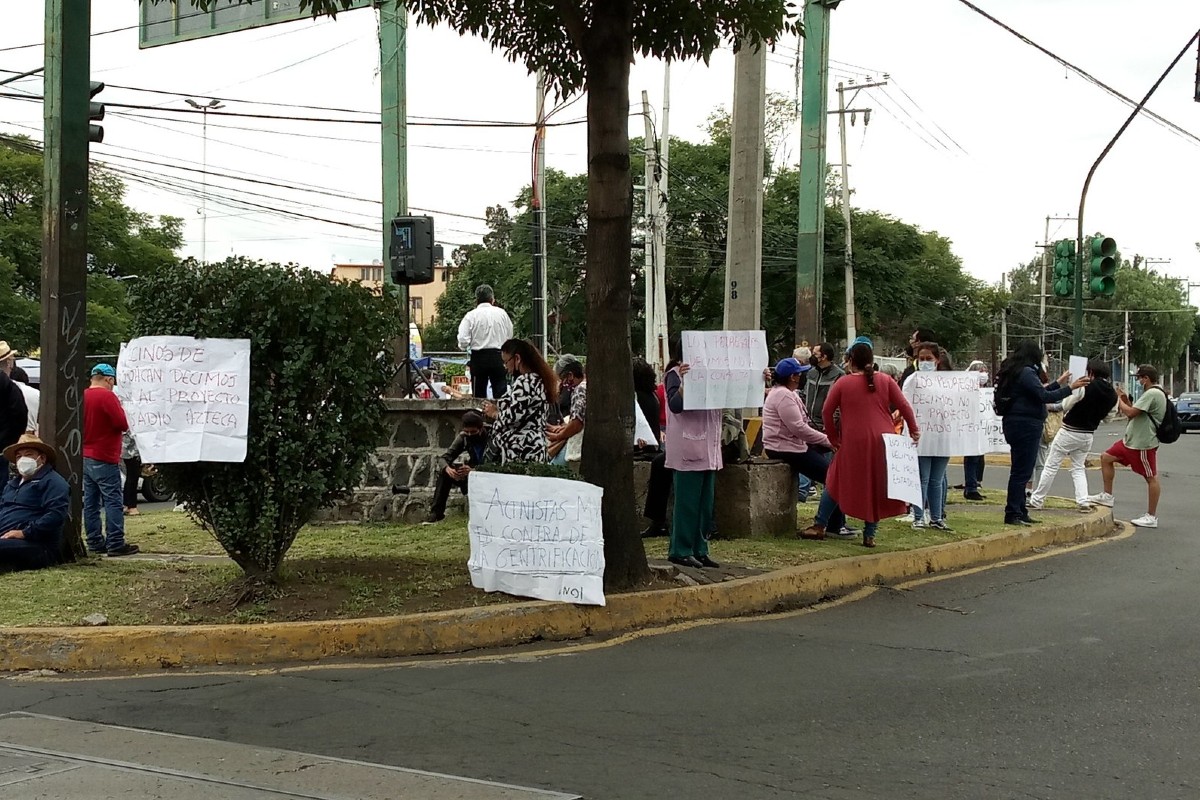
{"x": 686, "y": 561}
{"x": 1028, "y": 521}
{"x": 1016, "y": 521}
{"x": 972, "y": 496}
{"x": 708, "y": 562}
{"x": 959, "y": 487}
{"x": 123, "y": 550}
{"x": 433, "y": 519}
{"x": 655, "y": 530}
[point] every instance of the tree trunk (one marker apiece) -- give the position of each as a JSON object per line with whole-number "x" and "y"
{"x": 608, "y": 437}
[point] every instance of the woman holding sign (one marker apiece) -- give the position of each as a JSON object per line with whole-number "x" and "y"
{"x": 858, "y": 476}
{"x": 694, "y": 452}
{"x": 933, "y": 468}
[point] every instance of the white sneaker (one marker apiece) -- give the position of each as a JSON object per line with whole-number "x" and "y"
{"x": 1146, "y": 521}
{"x": 1102, "y": 499}
{"x": 918, "y": 524}
{"x": 1084, "y": 507}
{"x": 909, "y": 518}
{"x": 1037, "y": 504}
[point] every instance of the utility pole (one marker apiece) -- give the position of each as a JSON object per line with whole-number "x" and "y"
{"x": 64, "y": 247}
{"x": 1125, "y": 376}
{"x": 660, "y": 229}
{"x": 851, "y": 314}
{"x": 810, "y": 230}
{"x": 1047, "y": 257}
{"x": 743, "y": 250}
{"x": 651, "y": 197}
{"x": 1004, "y": 320}
{"x": 1078, "y": 337}
{"x": 539, "y": 217}
{"x": 204, "y": 108}
{"x": 393, "y": 91}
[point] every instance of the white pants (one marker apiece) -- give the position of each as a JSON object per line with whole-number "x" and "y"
{"x": 1067, "y": 444}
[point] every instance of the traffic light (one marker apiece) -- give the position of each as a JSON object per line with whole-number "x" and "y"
{"x": 410, "y": 250}
{"x": 1103, "y": 251}
{"x": 95, "y": 113}
{"x": 1064, "y": 268}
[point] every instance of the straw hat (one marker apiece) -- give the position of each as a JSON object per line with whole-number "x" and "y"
{"x": 6, "y": 352}
{"x": 28, "y": 440}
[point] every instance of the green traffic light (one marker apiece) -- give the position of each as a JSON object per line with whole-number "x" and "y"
{"x": 1103, "y": 285}
{"x": 1064, "y": 248}
{"x": 1104, "y": 246}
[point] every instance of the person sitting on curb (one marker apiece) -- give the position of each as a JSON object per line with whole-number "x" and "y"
{"x": 464, "y": 455}
{"x": 33, "y": 508}
{"x": 1138, "y": 449}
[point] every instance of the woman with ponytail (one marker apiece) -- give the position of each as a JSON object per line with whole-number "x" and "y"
{"x": 858, "y": 476}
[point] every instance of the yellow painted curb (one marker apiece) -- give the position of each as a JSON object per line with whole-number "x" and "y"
{"x": 142, "y": 647}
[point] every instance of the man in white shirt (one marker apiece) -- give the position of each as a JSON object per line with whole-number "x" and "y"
{"x": 32, "y": 398}
{"x": 481, "y": 333}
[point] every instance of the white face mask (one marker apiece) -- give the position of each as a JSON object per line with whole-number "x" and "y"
{"x": 27, "y": 466}
{"x": 927, "y": 366}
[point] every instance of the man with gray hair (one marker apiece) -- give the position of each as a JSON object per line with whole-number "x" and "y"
{"x": 481, "y": 333}
{"x": 14, "y": 414}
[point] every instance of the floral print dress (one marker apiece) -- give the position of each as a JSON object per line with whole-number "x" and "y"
{"x": 519, "y": 432}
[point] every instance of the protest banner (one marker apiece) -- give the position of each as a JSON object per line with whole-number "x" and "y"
{"x": 903, "y": 470}
{"x": 726, "y": 369}
{"x": 536, "y": 537}
{"x": 946, "y": 405}
{"x": 186, "y": 399}
{"x": 991, "y": 428}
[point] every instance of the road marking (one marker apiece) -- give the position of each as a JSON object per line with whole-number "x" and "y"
{"x": 526, "y": 655}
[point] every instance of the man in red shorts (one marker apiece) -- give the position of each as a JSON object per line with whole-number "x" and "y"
{"x": 1138, "y": 449}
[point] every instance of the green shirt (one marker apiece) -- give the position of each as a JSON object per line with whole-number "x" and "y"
{"x": 1140, "y": 433}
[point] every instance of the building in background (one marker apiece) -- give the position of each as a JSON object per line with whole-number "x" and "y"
{"x": 422, "y": 299}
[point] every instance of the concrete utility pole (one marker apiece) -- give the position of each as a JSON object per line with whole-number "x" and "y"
{"x": 1004, "y": 321}
{"x": 660, "y": 229}
{"x": 1125, "y": 376}
{"x": 650, "y": 207}
{"x": 743, "y": 251}
{"x": 810, "y": 230}
{"x": 539, "y": 217}
{"x": 64, "y": 246}
{"x": 393, "y": 91}
{"x": 204, "y": 108}
{"x": 1047, "y": 258}
{"x": 851, "y": 314}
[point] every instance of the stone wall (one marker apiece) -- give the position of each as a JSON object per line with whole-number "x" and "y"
{"x": 753, "y": 499}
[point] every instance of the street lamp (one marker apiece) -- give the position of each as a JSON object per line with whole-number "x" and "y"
{"x": 204, "y": 108}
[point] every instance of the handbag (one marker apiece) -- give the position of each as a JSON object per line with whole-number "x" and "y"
{"x": 1052, "y": 426}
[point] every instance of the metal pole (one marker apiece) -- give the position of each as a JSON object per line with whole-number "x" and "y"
{"x": 1125, "y": 376}
{"x": 851, "y": 320}
{"x": 539, "y": 217}
{"x": 650, "y": 148}
{"x": 659, "y": 343}
{"x": 1046, "y": 256}
{"x": 64, "y": 248}
{"x": 1078, "y": 333}
{"x": 810, "y": 229}
{"x": 393, "y": 44}
{"x": 1004, "y": 320}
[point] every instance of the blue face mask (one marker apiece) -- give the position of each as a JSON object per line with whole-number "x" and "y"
{"x": 927, "y": 366}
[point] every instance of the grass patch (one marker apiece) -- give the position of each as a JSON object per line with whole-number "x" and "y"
{"x": 346, "y": 571}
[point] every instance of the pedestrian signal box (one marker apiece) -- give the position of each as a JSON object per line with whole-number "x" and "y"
{"x": 410, "y": 250}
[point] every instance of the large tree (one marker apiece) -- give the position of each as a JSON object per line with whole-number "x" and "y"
{"x": 588, "y": 45}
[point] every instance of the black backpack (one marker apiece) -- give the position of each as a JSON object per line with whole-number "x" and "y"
{"x": 1002, "y": 401}
{"x": 1169, "y": 430}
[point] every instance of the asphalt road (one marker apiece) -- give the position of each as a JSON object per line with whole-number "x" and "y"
{"x": 1071, "y": 676}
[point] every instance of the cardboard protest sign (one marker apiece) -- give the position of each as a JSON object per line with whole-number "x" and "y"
{"x": 186, "y": 399}
{"x": 946, "y": 405}
{"x": 726, "y": 369}
{"x": 903, "y": 470}
{"x": 536, "y": 537}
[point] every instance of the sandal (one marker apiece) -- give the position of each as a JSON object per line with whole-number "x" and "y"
{"x": 868, "y": 541}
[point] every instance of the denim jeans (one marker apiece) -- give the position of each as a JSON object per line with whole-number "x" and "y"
{"x": 102, "y": 488}
{"x": 1023, "y": 435}
{"x": 972, "y": 473}
{"x": 814, "y": 466}
{"x": 933, "y": 487}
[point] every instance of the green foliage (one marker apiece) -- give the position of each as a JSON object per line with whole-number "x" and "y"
{"x": 319, "y": 365}
{"x": 532, "y": 470}
{"x": 122, "y": 243}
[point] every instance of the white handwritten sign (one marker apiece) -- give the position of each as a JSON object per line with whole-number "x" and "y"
{"x": 536, "y": 537}
{"x": 903, "y": 470}
{"x": 726, "y": 369}
{"x": 991, "y": 428}
{"x": 946, "y": 405}
{"x": 642, "y": 430}
{"x": 1077, "y": 366}
{"x": 186, "y": 399}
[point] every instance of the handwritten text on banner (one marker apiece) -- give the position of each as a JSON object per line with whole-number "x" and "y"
{"x": 186, "y": 399}
{"x": 726, "y": 369}
{"x": 946, "y": 405}
{"x": 903, "y": 470}
{"x": 536, "y": 537}
{"x": 991, "y": 428}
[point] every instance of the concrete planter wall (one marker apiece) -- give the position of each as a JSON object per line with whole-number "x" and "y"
{"x": 754, "y": 499}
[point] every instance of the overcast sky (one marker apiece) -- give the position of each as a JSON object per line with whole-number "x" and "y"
{"x": 1029, "y": 129}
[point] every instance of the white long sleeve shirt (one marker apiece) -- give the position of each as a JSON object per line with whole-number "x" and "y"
{"x": 485, "y": 327}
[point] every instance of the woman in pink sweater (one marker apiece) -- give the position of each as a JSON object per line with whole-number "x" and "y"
{"x": 788, "y": 437}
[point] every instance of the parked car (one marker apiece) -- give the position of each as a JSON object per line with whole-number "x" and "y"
{"x": 1188, "y": 407}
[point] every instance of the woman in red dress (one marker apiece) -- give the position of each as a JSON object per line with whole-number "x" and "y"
{"x": 858, "y": 475}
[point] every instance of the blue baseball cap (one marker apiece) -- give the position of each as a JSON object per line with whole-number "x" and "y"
{"x": 860, "y": 340}
{"x": 104, "y": 369}
{"x": 789, "y": 367}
